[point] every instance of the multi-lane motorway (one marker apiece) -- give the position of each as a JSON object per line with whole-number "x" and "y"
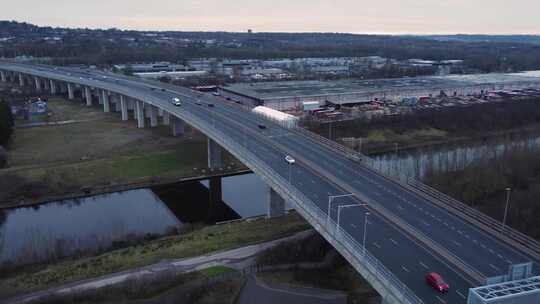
{"x": 405, "y": 231}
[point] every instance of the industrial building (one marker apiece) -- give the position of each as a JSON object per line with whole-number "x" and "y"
{"x": 289, "y": 95}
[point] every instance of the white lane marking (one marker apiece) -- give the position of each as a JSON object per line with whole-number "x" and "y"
{"x": 508, "y": 261}
{"x": 376, "y": 245}
{"x": 424, "y": 265}
{"x": 426, "y": 223}
{"x": 353, "y": 225}
{"x": 441, "y": 300}
{"x": 494, "y": 267}
{"x": 393, "y": 241}
{"x": 405, "y": 268}
{"x": 457, "y": 243}
{"x": 460, "y": 294}
{"x": 500, "y": 256}
{"x": 399, "y": 207}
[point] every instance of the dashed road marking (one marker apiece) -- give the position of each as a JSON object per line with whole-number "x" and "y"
{"x": 424, "y": 265}
{"x": 457, "y": 243}
{"x": 441, "y": 300}
{"x": 353, "y": 225}
{"x": 405, "y": 268}
{"x": 393, "y": 242}
{"x": 494, "y": 267}
{"x": 376, "y": 245}
{"x": 460, "y": 294}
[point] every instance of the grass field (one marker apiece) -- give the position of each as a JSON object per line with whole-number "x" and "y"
{"x": 98, "y": 150}
{"x": 203, "y": 241}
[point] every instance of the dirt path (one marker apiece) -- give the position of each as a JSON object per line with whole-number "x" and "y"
{"x": 236, "y": 258}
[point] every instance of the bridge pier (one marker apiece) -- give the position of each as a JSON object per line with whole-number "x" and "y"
{"x": 153, "y": 115}
{"x": 215, "y": 157}
{"x": 46, "y": 84}
{"x": 276, "y": 204}
{"x": 117, "y": 104}
{"x": 3, "y": 76}
{"x": 52, "y": 85}
{"x": 139, "y": 112}
{"x": 38, "y": 83}
{"x": 178, "y": 126}
{"x": 124, "y": 108}
{"x": 70, "y": 89}
{"x": 166, "y": 118}
{"x": 106, "y": 104}
{"x": 21, "y": 80}
{"x": 88, "y": 96}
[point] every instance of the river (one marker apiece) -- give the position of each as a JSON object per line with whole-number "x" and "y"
{"x": 91, "y": 224}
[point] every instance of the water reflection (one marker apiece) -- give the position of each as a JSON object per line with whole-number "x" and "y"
{"x": 449, "y": 157}
{"x": 62, "y": 228}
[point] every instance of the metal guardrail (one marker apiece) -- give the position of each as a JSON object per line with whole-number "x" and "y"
{"x": 452, "y": 205}
{"x": 309, "y": 208}
{"x": 456, "y": 206}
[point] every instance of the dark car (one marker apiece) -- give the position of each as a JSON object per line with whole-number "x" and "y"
{"x": 211, "y": 105}
{"x": 262, "y": 127}
{"x": 437, "y": 282}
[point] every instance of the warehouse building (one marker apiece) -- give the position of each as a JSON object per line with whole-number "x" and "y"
{"x": 289, "y": 95}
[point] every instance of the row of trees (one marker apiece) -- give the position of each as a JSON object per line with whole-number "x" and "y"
{"x": 482, "y": 185}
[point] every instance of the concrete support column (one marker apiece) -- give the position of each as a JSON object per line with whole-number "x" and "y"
{"x": 38, "y": 83}
{"x": 106, "y": 105}
{"x": 147, "y": 110}
{"x": 178, "y": 126}
{"x": 153, "y": 116}
{"x": 166, "y": 118}
{"x": 100, "y": 96}
{"x": 215, "y": 157}
{"x": 52, "y": 85}
{"x": 3, "y": 76}
{"x": 276, "y": 204}
{"x": 88, "y": 96}
{"x": 21, "y": 80}
{"x": 46, "y": 84}
{"x": 139, "y": 110}
{"x": 117, "y": 104}
{"x": 123, "y": 108}
{"x": 71, "y": 93}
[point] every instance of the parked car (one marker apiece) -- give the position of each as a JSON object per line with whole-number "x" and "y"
{"x": 216, "y": 94}
{"x": 176, "y": 101}
{"x": 211, "y": 105}
{"x": 436, "y": 281}
{"x": 289, "y": 159}
{"x": 262, "y": 127}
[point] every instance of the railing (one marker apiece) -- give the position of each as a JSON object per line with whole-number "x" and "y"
{"x": 456, "y": 206}
{"x": 310, "y": 209}
{"x": 452, "y": 205}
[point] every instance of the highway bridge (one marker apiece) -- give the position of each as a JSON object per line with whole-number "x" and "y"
{"x": 392, "y": 229}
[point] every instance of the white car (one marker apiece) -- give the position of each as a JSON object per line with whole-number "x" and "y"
{"x": 289, "y": 159}
{"x": 176, "y": 101}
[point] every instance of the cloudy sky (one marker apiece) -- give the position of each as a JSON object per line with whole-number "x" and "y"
{"x": 355, "y": 16}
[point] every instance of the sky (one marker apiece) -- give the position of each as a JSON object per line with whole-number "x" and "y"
{"x": 351, "y": 16}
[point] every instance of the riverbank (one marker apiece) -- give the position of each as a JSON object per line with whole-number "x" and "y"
{"x": 433, "y": 127}
{"x": 97, "y": 153}
{"x": 190, "y": 244}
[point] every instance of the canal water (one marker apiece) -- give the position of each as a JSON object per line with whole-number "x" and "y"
{"x": 91, "y": 224}
{"x": 419, "y": 162}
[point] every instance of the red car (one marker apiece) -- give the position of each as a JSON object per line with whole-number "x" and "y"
{"x": 436, "y": 281}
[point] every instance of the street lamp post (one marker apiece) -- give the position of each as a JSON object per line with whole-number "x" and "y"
{"x": 330, "y": 199}
{"x": 365, "y": 231}
{"x": 508, "y": 190}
